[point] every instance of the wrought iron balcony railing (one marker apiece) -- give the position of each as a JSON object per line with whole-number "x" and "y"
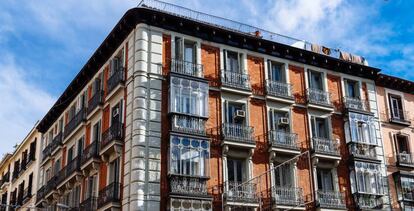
{"x": 27, "y": 193}
{"x": 40, "y": 194}
{"x": 320, "y": 97}
{"x": 111, "y": 193}
{"x": 75, "y": 122}
{"x": 326, "y": 146}
{"x": 241, "y": 192}
{"x": 89, "y": 204}
{"x": 406, "y": 159}
{"x": 113, "y": 133}
{"x": 116, "y": 79}
{"x": 235, "y": 80}
{"x": 57, "y": 142}
{"x": 70, "y": 168}
{"x": 363, "y": 151}
{"x": 91, "y": 151}
{"x": 237, "y": 132}
{"x": 188, "y": 124}
{"x": 287, "y": 196}
{"x": 283, "y": 139}
{"x": 356, "y": 104}
{"x": 95, "y": 101}
{"x": 187, "y": 68}
{"x": 47, "y": 151}
{"x": 278, "y": 89}
{"x": 188, "y": 185}
{"x": 368, "y": 202}
{"x": 331, "y": 199}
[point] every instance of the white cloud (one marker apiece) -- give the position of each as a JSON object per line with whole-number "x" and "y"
{"x": 23, "y": 103}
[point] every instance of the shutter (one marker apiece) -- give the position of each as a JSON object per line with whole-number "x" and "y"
{"x": 226, "y": 112}
{"x": 269, "y": 70}
{"x": 225, "y": 65}
{"x": 313, "y": 125}
{"x": 329, "y": 131}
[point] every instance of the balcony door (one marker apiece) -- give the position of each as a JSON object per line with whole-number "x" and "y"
{"x": 233, "y": 61}
{"x": 276, "y": 72}
{"x": 320, "y": 127}
{"x": 396, "y": 107}
{"x": 352, "y": 89}
{"x": 231, "y": 113}
{"x": 325, "y": 180}
{"x": 284, "y": 176}
{"x": 91, "y": 187}
{"x": 402, "y": 144}
{"x": 236, "y": 171}
{"x": 114, "y": 171}
{"x": 316, "y": 80}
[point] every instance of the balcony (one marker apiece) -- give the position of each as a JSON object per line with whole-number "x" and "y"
{"x": 95, "y": 102}
{"x": 279, "y": 89}
{"x": 47, "y": 151}
{"x": 110, "y": 196}
{"x": 112, "y": 140}
{"x": 287, "y": 196}
{"x": 188, "y": 124}
{"x": 187, "y": 68}
{"x": 5, "y": 180}
{"x": 366, "y": 201}
{"x": 75, "y": 122}
{"x": 283, "y": 141}
{"x": 363, "y": 151}
{"x": 238, "y": 135}
{"x": 190, "y": 186}
{"x": 235, "y": 80}
{"x": 399, "y": 117}
{"x": 115, "y": 81}
{"x": 16, "y": 174}
{"x": 69, "y": 172}
{"x": 56, "y": 143}
{"x": 27, "y": 194}
{"x": 356, "y": 104}
{"x": 405, "y": 160}
{"x": 238, "y": 193}
{"x": 331, "y": 199}
{"x": 40, "y": 194}
{"x": 50, "y": 186}
{"x": 319, "y": 97}
{"x": 325, "y": 146}
{"x": 89, "y": 204}
{"x": 90, "y": 157}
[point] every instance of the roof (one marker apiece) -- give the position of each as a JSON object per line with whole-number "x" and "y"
{"x": 395, "y": 83}
{"x": 201, "y": 29}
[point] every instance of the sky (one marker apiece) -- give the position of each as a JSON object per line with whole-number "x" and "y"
{"x": 43, "y": 44}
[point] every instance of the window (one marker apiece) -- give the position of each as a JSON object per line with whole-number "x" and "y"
{"x": 231, "y": 110}
{"x": 185, "y": 50}
{"x": 368, "y": 178}
{"x": 407, "y": 187}
{"x": 70, "y": 154}
{"x": 236, "y": 170}
{"x": 396, "y": 107}
{"x": 325, "y": 179}
{"x": 116, "y": 115}
{"x": 91, "y": 184}
{"x": 232, "y": 61}
{"x": 189, "y": 156}
{"x": 188, "y": 97}
{"x": 402, "y": 144}
{"x": 57, "y": 166}
{"x": 284, "y": 176}
{"x": 114, "y": 171}
{"x": 320, "y": 127}
{"x": 352, "y": 89}
{"x": 275, "y": 117}
{"x": 362, "y": 128}
{"x": 96, "y": 86}
{"x": 96, "y": 132}
{"x": 316, "y": 80}
{"x": 276, "y": 71}
{"x": 116, "y": 63}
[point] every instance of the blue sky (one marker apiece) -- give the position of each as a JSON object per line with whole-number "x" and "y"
{"x": 43, "y": 44}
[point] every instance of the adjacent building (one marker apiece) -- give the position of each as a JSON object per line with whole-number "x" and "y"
{"x": 180, "y": 110}
{"x": 395, "y": 98}
{"x": 19, "y": 172}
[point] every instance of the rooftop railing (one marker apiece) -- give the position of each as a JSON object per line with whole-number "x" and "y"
{"x": 234, "y": 26}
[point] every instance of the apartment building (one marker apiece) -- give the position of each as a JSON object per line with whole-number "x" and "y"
{"x": 19, "y": 174}
{"x": 395, "y": 97}
{"x": 180, "y": 110}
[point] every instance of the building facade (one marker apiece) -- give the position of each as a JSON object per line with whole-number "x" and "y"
{"x": 19, "y": 174}
{"x": 395, "y": 98}
{"x": 180, "y": 110}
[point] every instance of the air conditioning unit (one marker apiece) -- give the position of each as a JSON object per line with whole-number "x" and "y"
{"x": 240, "y": 114}
{"x": 283, "y": 121}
